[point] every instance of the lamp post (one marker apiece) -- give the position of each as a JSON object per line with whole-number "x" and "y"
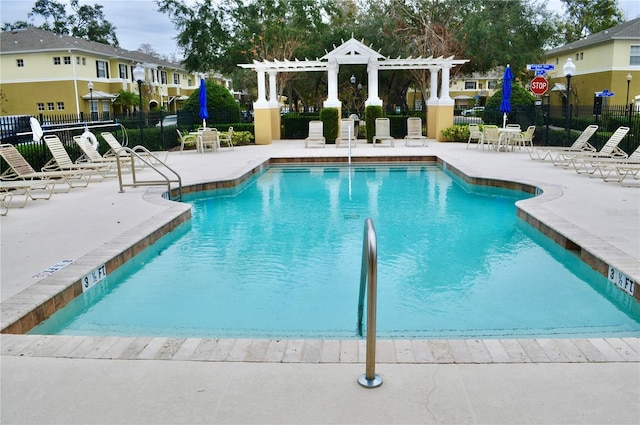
{"x": 90, "y": 85}
{"x": 569, "y": 69}
{"x": 138, "y": 75}
{"x": 627, "y": 101}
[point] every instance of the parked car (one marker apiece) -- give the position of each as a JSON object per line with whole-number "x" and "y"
{"x": 168, "y": 121}
{"x": 476, "y": 110}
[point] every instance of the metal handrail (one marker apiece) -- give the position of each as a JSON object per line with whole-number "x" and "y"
{"x": 369, "y": 272}
{"x": 133, "y": 154}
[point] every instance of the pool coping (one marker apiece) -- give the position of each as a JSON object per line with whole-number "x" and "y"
{"x": 36, "y": 303}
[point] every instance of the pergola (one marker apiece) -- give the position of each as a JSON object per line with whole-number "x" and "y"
{"x": 351, "y": 52}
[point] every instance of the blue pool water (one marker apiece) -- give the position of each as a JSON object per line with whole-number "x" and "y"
{"x": 279, "y": 257}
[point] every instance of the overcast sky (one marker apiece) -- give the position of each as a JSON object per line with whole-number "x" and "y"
{"x": 138, "y": 21}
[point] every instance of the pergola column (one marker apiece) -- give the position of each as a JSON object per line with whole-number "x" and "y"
{"x": 274, "y": 105}
{"x": 432, "y": 103}
{"x": 262, "y": 112}
{"x": 441, "y": 112}
{"x": 372, "y": 88}
{"x": 332, "y": 86}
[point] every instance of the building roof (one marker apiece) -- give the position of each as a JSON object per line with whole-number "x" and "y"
{"x": 31, "y": 39}
{"x": 629, "y": 30}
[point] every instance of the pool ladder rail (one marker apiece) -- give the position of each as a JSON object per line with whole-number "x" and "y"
{"x": 143, "y": 155}
{"x": 368, "y": 273}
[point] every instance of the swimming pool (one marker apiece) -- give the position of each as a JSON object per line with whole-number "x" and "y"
{"x": 280, "y": 257}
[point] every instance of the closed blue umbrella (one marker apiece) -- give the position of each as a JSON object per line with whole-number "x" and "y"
{"x": 505, "y": 105}
{"x": 204, "y": 114}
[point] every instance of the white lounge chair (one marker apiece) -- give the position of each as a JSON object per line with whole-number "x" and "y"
{"x": 227, "y": 138}
{"x": 609, "y": 150}
{"x": 542, "y": 153}
{"x": 20, "y": 169}
{"x": 115, "y": 147}
{"x": 315, "y": 137}
{"x": 62, "y": 162}
{"x": 346, "y": 136}
{"x": 605, "y": 166}
{"x": 414, "y": 132}
{"x": 383, "y": 133}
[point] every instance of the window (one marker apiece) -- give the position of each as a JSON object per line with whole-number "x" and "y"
{"x": 56, "y": 60}
{"x": 40, "y": 106}
{"x": 479, "y": 86}
{"x": 60, "y": 106}
{"x": 77, "y": 61}
{"x": 122, "y": 69}
{"x": 469, "y": 85}
{"x": 579, "y": 56}
{"x": 492, "y": 85}
{"x": 67, "y": 60}
{"x": 176, "y": 78}
{"x": 50, "y": 106}
{"x": 20, "y": 63}
{"x": 634, "y": 57}
{"x": 163, "y": 77}
{"x": 102, "y": 69}
{"x": 84, "y": 61}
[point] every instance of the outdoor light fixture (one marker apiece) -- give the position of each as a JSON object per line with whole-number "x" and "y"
{"x": 138, "y": 75}
{"x": 569, "y": 70}
{"x": 90, "y": 85}
{"x": 352, "y": 79}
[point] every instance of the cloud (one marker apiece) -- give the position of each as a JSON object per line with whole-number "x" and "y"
{"x": 137, "y": 22}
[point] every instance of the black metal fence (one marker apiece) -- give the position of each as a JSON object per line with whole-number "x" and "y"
{"x": 553, "y": 127}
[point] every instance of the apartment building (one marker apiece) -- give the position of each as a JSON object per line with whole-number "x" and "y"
{"x": 46, "y": 73}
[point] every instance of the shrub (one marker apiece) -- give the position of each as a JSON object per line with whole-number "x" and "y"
{"x": 329, "y": 118}
{"x": 456, "y": 133}
{"x": 370, "y": 114}
{"x": 221, "y": 106}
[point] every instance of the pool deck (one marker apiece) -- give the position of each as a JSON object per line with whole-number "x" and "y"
{"x": 65, "y": 379}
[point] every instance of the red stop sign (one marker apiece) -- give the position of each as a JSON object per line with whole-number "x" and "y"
{"x": 539, "y": 85}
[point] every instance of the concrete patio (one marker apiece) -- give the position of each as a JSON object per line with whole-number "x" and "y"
{"x": 63, "y": 379}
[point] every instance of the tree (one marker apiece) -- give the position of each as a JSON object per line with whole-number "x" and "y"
{"x": 221, "y": 105}
{"x": 87, "y": 22}
{"x": 585, "y": 17}
{"x": 126, "y": 100}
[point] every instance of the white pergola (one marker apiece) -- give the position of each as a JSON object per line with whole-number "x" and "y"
{"x": 353, "y": 52}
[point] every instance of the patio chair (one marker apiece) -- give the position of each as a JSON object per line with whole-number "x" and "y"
{"x": 228, "y": 138}
{"x": 414, "y": 132}
{"x": 115, "y": 147}
{"x": 208, "y": 139}
{"x": 315, "y": 137}
{"x": 490, "y": 136}
{"x": 543, "y": 153}
{"x": 20, "y": 169}
{"x": 609, "y": 150}
{"x": 527, "y": 137}
{"x": 346, "y": 133}
{"x": 474, "y": 134}
{"x": 187, "y": 140}
{"x": 383, "y": 133}
{"x": 62, "y": 162}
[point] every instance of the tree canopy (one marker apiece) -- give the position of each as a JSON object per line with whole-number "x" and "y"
{"x": 87, "y": 22}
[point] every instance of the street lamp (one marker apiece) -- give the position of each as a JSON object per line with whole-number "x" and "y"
{"x": 90, "y": 85}
{"x": 569, "y": 69}
{"x": 138, "y": 75}
{"x": 627, "y": 102}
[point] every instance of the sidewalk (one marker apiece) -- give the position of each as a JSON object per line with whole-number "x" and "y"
{"x": 84, "y": 383}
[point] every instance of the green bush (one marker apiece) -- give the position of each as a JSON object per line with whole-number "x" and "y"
{"x": 329, "y": 118}
{"x": 456, "y": 133}
{"x": 370, "y": 115}
{"x": 296, "y": 126}
{"x": 222, "y": 107}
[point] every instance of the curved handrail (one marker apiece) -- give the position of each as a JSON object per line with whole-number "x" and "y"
{"x": 369, "y": 272}
{"x": 134, "y": 154}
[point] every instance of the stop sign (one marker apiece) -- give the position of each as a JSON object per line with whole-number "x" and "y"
{"x": 539, "y": 85}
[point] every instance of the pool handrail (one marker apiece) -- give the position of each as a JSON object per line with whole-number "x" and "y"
{"x": 368, "y": 272}
{"x": 126, "y": 153}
